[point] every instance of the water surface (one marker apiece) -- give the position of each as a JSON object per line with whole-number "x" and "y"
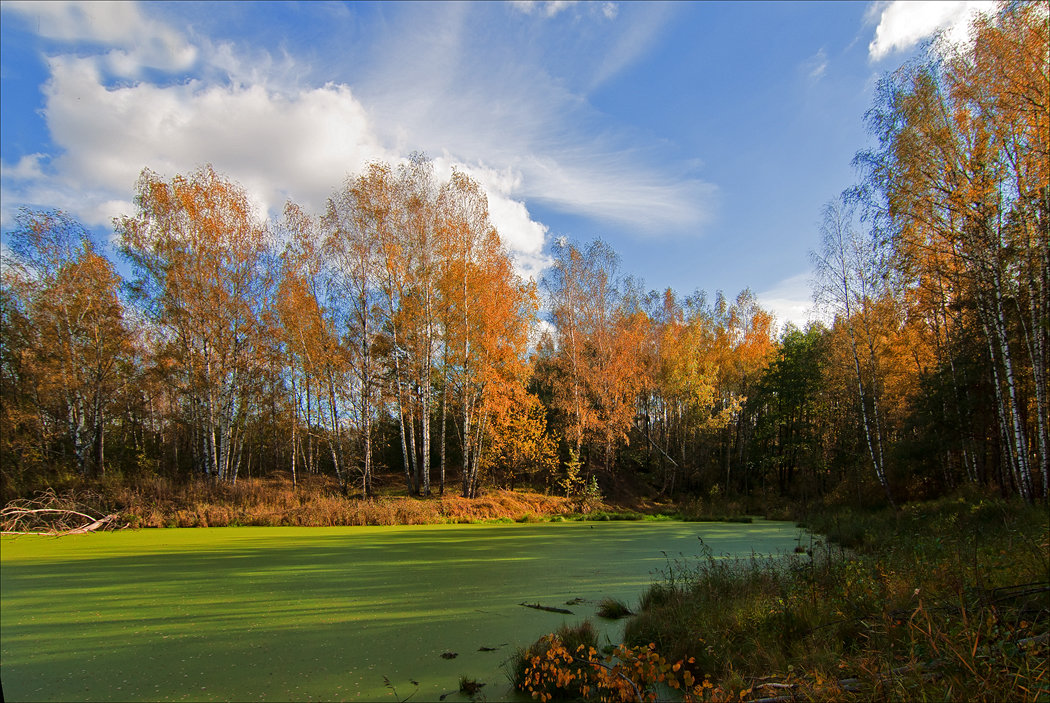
{"x": 290, "y": 613}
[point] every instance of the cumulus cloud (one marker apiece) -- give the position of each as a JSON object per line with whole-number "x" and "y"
{"x": 28, "y": 167}
{"x": 523, "y": 236}
{"x": 520, "y": 131}
{"x": 278, "y": 145}
{"x": 520, "y": 233}
{"x": 273, "y": 143}
{"x": 902, "y": 24}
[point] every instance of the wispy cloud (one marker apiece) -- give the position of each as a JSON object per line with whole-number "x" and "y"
{"x": 633, "y": 41}
{"x": 902, "y": 24}
{"x": 547, "y": 8}
{"x": 504, "y": 104}
{"x": 647, "y": 201}
{"x": 489, "y": 107}
{"x": 132, "y": 40}
{"x": 816, "y": 65}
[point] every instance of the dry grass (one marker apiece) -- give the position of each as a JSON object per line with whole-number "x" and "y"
{"x": 315, "y": 501}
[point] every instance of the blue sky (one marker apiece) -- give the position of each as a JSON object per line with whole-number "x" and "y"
{"x": 700, "y": 140}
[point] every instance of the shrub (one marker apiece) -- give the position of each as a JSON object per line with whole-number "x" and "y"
{"x": 581, "y": 636}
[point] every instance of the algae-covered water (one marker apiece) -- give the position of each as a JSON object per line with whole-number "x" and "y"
{"x": 273, "y": 613}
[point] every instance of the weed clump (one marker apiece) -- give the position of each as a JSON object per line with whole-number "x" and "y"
{"x": 613, "y": 609}
{"x": 470, "y": 686}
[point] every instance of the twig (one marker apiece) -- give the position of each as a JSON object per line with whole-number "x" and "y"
{"x": 1031, "y": 641}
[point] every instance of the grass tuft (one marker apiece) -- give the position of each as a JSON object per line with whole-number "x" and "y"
{"x": 613, "y": 609}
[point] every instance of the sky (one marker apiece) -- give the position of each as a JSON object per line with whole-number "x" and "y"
{"x": 699, "y": 140}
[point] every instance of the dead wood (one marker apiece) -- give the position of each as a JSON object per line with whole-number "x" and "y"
{"x": 549, "y": 609}
{"x": 51, "y": 514}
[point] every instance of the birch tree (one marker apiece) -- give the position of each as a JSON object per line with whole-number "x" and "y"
{"x": 961, "y": 170}
{"x": 356, "y": 220}
{"x": 848, "y": 269}
{"x": 75, "y": 326}
{"x": 489, "y": 312}
{"x": 197, "y": 250}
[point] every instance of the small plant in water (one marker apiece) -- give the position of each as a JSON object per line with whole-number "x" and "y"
{"x": 399, "y": 699}
{"x": 613, "y": 609}
{"x": 470, "y": 686}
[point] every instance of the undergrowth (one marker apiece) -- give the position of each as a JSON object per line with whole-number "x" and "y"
{"x": 314, "y": 501}
{"x": 946, "y": 600}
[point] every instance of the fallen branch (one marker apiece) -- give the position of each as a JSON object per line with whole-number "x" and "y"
{"x": 101, "y": 522}
{"x": 549, "y": 609}
{"x": 51, "y": 514}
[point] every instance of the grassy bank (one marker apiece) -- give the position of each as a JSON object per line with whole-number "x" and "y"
{"x": 318, "y": 501}
{"x": 274, "y": 501}
{"x": 947, "y": 600}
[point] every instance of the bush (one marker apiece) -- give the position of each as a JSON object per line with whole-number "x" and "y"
{"x": 572, "y": 638}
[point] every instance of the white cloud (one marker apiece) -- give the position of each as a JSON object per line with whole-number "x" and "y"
{"x": 136, "y": 41}
{"x": 278, "y": 146}
{"x": 523, "y": 236}
{"x": 603, "y": 187}
{"x": 791, "y": 300}
{"x": 902, "y": 24}
{"x": 633, "y": 41}
{"x": 272, "y": 143}
{"x": 548, "y": 8}
{"x": 816, "y": 65}
{"x": 520, "y": 131}
{"x": 28, "y": 167}
{"x": 438, "y": 88}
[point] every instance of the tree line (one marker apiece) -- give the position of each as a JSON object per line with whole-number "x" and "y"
{"x": 389, "y": 335}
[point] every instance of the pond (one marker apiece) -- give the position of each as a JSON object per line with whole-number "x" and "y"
{"x": 272, "y": 613}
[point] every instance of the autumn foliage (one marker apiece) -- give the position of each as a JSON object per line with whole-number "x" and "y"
{"x": 390, "y": 334}
{"x": 554, "y": 669}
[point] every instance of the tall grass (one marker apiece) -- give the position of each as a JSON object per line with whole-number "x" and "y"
{"x": 314, "y": 501}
